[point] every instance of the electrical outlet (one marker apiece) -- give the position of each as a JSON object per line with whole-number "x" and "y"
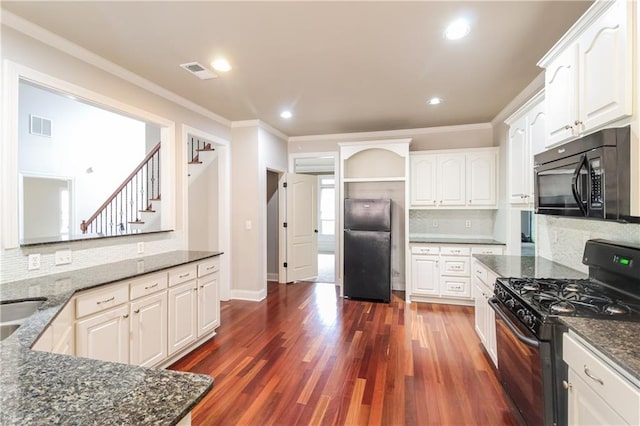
{"x": 63, "y": 257}
{"x": 248, "y": 225}
{"x": 34, "y": 262}
{"x": 434, "y": 223}
{"x": 140, "y": 247}
{"x": 467, "y": 223}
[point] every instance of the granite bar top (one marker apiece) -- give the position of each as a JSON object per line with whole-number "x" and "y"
{"x": 617, "y": 340}
{"x": 421, "y": 238}
{"x": 46, "y": 388}
{"x": 527, "y": 267}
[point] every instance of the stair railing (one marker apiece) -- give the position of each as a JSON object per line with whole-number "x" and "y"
{"x": 196, "y": 146}
{"x": 121, "y": 209}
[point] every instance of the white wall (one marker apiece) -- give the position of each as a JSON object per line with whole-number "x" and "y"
{"x": 46, "y": 57}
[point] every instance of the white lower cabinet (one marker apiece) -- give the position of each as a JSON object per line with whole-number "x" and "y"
{"x": 183, "y": 323}
{"x": 597, "y": 394}
{"x": 105, "y": 336}
{"x": 425, "y": 275}
{"x": 149, "y": 330}
{"x": 483, "y": 280}
{"x": 208, "y": 304}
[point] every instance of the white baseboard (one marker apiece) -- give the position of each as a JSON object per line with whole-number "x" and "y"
{"x": 272, "y": 276}
{"x": 250, "y": 295}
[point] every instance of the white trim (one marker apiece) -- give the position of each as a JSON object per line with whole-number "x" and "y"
{"x": 391, "y": 133}
{"x": 536, "y": 85}
{"x": 224, "y": 202}
{"x": 250, "y": 295}
{"x": 13, "y": 73}
{"x": 538, "y": 97}
{"x": 32, "y": 30}
{"x": 261, "y": 124}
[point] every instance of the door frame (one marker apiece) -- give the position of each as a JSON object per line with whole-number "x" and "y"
{"x": 336, "y": 172}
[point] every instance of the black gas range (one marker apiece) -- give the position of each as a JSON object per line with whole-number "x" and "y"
{"x": 529, "y": 327}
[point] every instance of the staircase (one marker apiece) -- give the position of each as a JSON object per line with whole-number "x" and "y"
{"x": 201, "y": 153}
{"x": 133, "y": 206}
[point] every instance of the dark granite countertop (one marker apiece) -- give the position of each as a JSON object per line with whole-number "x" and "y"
{"x": 527, "y": 267}
{"x": 618, "y": 340}
{"x": 46, "y": 388}
{"x": 421, "y": 238}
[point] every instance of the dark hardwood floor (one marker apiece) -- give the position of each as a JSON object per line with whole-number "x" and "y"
{"x": 306, "y": 356}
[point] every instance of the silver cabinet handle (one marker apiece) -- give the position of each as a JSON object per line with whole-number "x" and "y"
{"x": 210, "y": 268}
{"x": 151, "y": 286}
{"x": 566, "y": 385}
{"x": 591, "y": 376}
{"x": 568, "y": 126}
{"x": 185, "y": 275}
{"x": 577, "y": 122}
{"x": 137, "y": 311}
{"x": 201, "y": 286}
{"x": 125, "y": 316}
{"x": 106, "y": 301}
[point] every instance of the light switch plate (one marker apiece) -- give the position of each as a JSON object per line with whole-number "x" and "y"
{"x": 63, "y": 257}
{"x": 140, "y": 247}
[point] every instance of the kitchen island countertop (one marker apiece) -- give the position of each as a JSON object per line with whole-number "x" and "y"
{"x": 46, "y": 388}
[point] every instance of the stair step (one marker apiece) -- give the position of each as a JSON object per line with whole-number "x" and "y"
{"x": 137, "y": 222}
{"x": 155, "y": 199}
{"x": 147, "y": 211}
{"x": 205, "y": 149}
{"x": 195, "y": 162}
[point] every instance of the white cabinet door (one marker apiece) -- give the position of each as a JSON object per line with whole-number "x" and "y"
{"x": 605, "y": 66}
{"x": 451, "y": 181}
{"x": 561, "y": 83}
{"x": 481, "y": 179}
{"x": 425, "y": 275}
{"x": 424, "y": 180}
{"x": 208, "y": 304}
{"x": 105, "y": 336}
{"x": 517, "y": 151}
{"x": 149, "y": 330}
{"x": 183, "y": 305}
{"x": 480, "y": 311}
{"x": 587, "y": 407}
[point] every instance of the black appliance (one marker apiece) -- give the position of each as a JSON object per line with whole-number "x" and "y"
{"x": 529, "y": 333}
{"x": 588, "y": 177}
{"x": 367, "y": 249}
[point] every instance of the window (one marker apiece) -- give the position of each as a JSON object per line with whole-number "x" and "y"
{"x": 327, "y": 205}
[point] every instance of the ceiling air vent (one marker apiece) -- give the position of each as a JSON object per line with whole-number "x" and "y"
{"x": 40, "y": 126}
{"x": 198, "y": 70}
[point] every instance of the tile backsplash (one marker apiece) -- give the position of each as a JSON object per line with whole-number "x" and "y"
{"x": 562, "y": 239}
{"x": 453, "y": 223}
{"x": 84, "y": 254}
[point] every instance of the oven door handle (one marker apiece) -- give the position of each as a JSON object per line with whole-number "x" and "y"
{"x": 574, "y": 184}
{"x": 524, "y": 339}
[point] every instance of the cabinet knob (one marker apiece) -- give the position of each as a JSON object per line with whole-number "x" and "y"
{"x": 137, "y": 311}
{"x": 125, "y": 316}
{"x": 577, "y": 122}
{"x": 566, "y": 385}
{"x": 568, "y": 127}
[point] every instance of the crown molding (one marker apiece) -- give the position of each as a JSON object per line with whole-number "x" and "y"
{"x": 47, "y": 37}
{"x": 391, "y": 133}
{"x": 261, "y": 124}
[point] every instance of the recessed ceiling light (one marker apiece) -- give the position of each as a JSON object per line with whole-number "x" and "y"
{"x": 221, "y": 65}
{"x": 434, "y": 101}
{"x": 286, "y": 114}
{"x": 457, "y": 29}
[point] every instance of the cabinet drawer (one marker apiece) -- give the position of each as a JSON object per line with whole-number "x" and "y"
{"x": 425, "y": 249}
{"x": 454, "y": 265}
{"x": 455, "y": 251}
{"x": 480, "y": 272}
{"x": 455, "y": 287}
{"x": 147, "y": 285}
{"x": 101, "y": 299}
{"x": 497, "y": 250}
{"x": 208, "y": 267}
{"x": 182, "y": 274}
{"x": 621, "y": 395}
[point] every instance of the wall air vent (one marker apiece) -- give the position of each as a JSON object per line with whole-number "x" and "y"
{"x": 40, "y": 126}
{"x": 198, "y": 70}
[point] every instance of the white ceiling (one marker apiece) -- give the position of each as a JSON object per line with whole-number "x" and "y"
{"x": 339, "y": 66}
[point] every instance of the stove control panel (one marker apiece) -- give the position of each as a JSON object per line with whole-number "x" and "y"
{"x": 511, "y": 303}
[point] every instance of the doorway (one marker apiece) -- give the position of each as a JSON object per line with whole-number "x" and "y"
{"x": 527, "y": 233}
{"x": 273, "y": 235}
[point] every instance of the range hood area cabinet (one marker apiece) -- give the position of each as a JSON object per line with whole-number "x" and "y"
{"x": 454, "y": 179}
{"x": 588, "y": 73}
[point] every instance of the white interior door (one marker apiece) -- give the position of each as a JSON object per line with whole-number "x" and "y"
{"x": 302, "y": 226}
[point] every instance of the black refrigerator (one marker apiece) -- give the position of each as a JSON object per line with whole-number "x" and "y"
{"x": 367, "y": 249}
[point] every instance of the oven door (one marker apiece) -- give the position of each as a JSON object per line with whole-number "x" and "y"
{"x": 562, "y": 187}
{"x": 524, "y": 365}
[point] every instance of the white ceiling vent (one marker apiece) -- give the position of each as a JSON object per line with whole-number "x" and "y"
{"x": 198, "y": 70}
{"x": 40, "y": 126}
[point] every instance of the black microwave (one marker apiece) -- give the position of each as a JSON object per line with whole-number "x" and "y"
{"x": 588, "y": 177}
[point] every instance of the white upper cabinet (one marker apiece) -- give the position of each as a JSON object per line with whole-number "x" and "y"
{"x": 527, "y": 136}
{"x": 588, "y": 77}
{"x": 454, "y": 179}
{"x": 481, "y": 179}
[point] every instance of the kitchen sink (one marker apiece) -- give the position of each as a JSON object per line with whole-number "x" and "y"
{"x": 7, "y": 330}
{"x": 14, "y": 312}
